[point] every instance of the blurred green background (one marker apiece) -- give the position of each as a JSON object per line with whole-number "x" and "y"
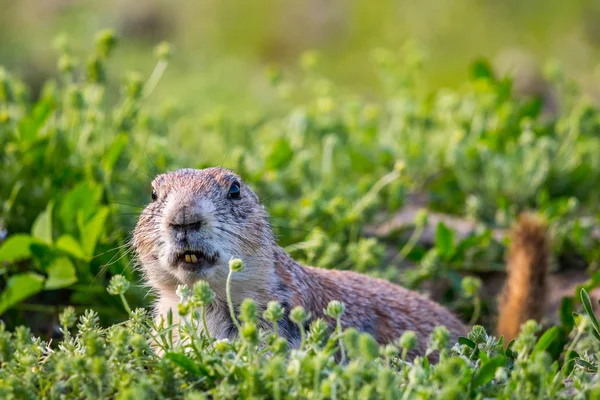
{"x": 222, "y": 47}
{"x": 340, "y": 114}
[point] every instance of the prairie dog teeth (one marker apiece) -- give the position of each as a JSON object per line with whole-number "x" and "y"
{"x": 193, "y": 258}
{"x": 188, "y": 258}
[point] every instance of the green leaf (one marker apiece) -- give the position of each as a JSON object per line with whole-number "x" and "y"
{"x": 501, "y": 342}
{"x": 187, "y": 363}
{"x": 483, "y": 357}
{"x": 92, "y": 230}
{"x": 547, "y": 338}
{"x": 112, "y": 155}
{"x": 566, "y": 313}
{"x": 570, "y": 358}
{"x": 444, "y": 241}
{"x": 83, "y": 199}
{"x": 18, "y": 288}
{"x": 61, "y": 273}
{"x": 487, "y": 372}
{"x": 481, "y": 68}
{"x": 30, "y": 125}
{"x": 42, "y": 227}
{"x": 509, "y": 351}
{"x": 587, "y": 305}
{"x": 426, "y": 364}
{"x": 467, "y": 342}
{"x": 360, "y": 161}
{"x": 69, "y": 245}
{"x": 586, "y": 365}
{"x": 281, "y": 154}
{"x": 16, "y": 247}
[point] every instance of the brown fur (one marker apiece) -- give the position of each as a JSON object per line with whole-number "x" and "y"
{"x": 375, "y": 306}
{"x": 524, "y": 294}
{"x": 192, "y": 211}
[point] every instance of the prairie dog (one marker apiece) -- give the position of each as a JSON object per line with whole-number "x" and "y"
{"x": 199, "y": 219}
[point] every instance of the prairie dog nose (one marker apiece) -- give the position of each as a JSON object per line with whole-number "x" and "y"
{"x": 180, "y": 216}
{"x": 192, "y": 225}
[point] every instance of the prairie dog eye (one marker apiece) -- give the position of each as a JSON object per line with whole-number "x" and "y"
{"x": 154, "y": 195}
{"x": 234, "y": 191}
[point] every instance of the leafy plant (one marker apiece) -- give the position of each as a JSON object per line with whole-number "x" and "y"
{"x": 66, "y": 158}
{"x": 119, "y": 362}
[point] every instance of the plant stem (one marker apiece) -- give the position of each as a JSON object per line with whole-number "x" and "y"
{"x": 204, "y": 324}
{"x": 476, "y": 310}
{"x": 159, "y": 70}
{"x": 302, "y": 335}
{"x": 230, "y": 302}
{"x": 338, "y": 329}
{"x": 375, "y": 189}
{"x": 412, "y": 242}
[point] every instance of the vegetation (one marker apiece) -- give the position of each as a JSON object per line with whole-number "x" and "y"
{"x": 75, "y": 167}
{"x": 92, "y": 362}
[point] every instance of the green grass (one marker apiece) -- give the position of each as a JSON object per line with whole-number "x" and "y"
{"x": 122, "y": 362}
{"x": 75, "y": 168}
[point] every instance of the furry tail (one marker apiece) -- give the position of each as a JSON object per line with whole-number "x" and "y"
{"x": 524, "y": 294}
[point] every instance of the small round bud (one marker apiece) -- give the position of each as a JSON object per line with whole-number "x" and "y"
{"x": 66, "y": 64}
{"x": 399, "y": 166}
{"x": 135, "y": 85}
{"x": 298, "y": 315}
{"x": 408, "y": 340}
{"x": 470, "y": 286}
{"x": 163, "y": 51}
{"x": 389, "y": 350}
{"x": 368, "y": 346}
{"x": 274, "y": 312}
{"x": 478, "y": 334}
{"x": 335, "y": 309}
{"x": 250, "y": 333}
{"x": 68, "y": 317}
{"x": 106, "y": 41}
{"x": 202, "y": 293}
{"x": 222, "y": 345}
{"x": 279, "y": 346}
{"x": 440, "y": 338}
{"x": 236, "y": 265}
{"x": 183, "y": 309}
{"x": 183, "y": 292}
{"x": 118, "y": 285}
{"x": 248, "y": 311}
{"x": 501, "y": 375}
{"x": 421, "y": 218}
{"x": 319, "y": 332}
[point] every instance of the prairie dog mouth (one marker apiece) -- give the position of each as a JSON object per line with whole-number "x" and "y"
{"x": 191, "y": 259}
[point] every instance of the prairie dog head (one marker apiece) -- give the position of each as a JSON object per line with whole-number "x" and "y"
{"x": 197, "y": 221}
